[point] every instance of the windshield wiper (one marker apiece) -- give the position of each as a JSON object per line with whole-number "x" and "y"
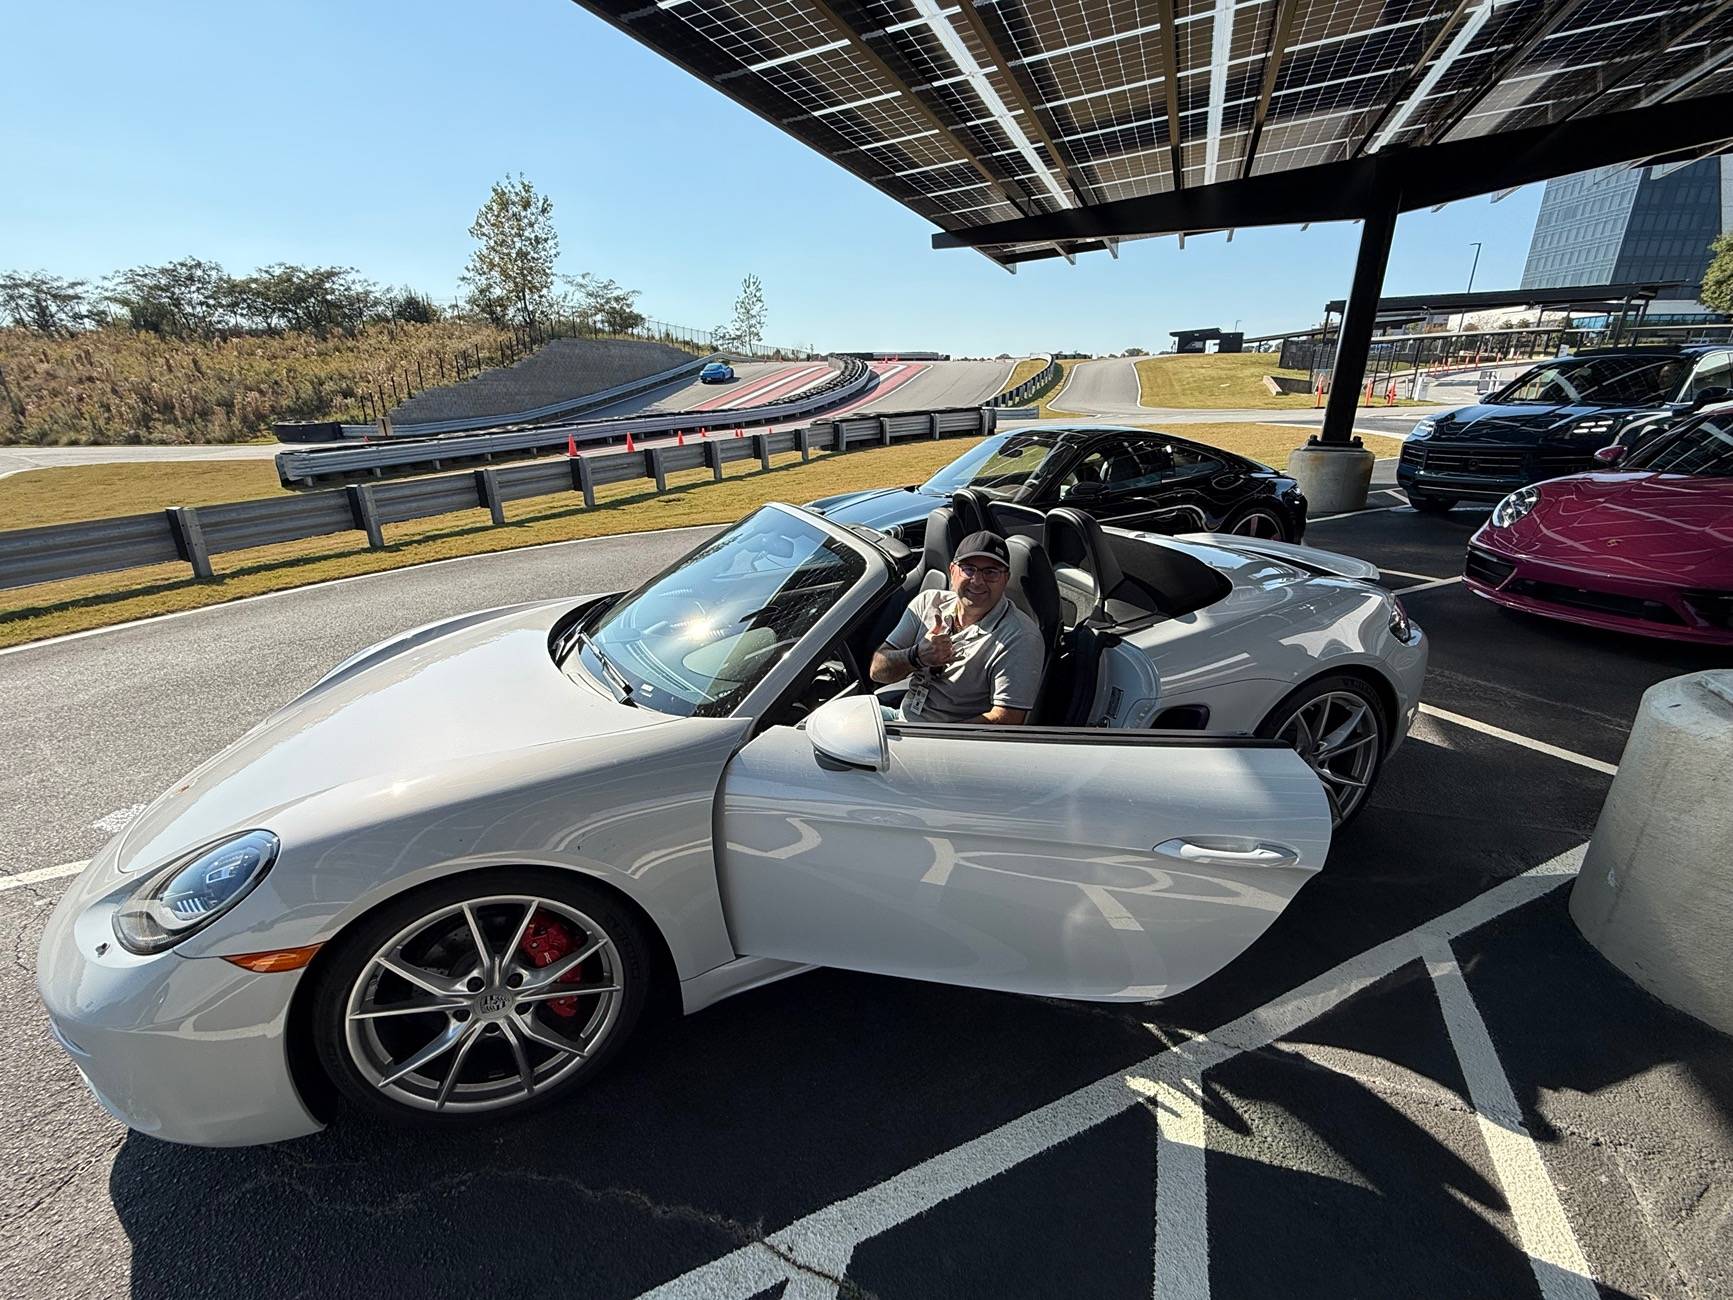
{"x": 616, "y": 678}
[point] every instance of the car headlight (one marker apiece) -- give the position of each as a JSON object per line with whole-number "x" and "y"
{"x": 1596, "y": 426}
{"x": 1424, "y": 429}
{"x": 1515, "y": 506}
{"x": 185, "y": 895}
{"x": 1401, "y": 626}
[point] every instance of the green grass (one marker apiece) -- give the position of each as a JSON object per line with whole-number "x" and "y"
{"x": 1216, "y": 381}
{"x": 96, "y": 491}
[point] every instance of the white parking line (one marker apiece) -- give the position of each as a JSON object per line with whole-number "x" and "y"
{"x": 1427, "y": 585}
{"x": 1553, "y": 1251}
{"x": 825, "y": 1241}
{"x": 1403, "y": 573}
{"x": 1539, "y": 746}
{"x": 1181, "y": 1188}
{"x": 1355, "y": 514}
{"x": 40, "y": 874}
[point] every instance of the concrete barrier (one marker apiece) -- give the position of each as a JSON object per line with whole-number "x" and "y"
{"x": 1334, "y": 479}
{"x": 1655, "y": 894}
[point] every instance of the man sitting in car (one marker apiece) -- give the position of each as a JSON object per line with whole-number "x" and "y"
{"x": 968, "y": 653}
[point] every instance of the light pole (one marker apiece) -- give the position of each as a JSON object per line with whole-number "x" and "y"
{"x": 1474, "y": 268}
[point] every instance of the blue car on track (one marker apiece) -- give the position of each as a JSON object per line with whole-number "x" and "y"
{"x": 717, "y": 372}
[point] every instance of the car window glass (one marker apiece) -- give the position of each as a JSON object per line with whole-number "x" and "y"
{"x": 1000, "y": 464}
{"x": 1704, "y": 449}
{"x": 1189, "y": 462}
{"x": 1599, "y": 381}
{"x": 1714, "y": 372}
{"x": 1120, "y": 467}
{"x": 696, "y": 639}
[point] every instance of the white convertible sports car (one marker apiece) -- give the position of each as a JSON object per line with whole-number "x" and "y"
{"x": 445, "y": 881}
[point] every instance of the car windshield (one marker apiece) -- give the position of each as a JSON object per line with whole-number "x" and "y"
{"x": 1704, "y": 449}
{"x": 696, "y": 639}
{"x": 1599, "y": 381}
{"x": 999, "y": 465}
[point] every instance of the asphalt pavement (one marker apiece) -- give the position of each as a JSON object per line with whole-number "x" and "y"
{"x": 1420, "y": 1082}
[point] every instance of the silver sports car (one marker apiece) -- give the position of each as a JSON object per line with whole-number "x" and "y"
{"x": 445, "y": 882}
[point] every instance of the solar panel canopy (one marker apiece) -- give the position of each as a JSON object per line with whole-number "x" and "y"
{"x": 978, "y": 113}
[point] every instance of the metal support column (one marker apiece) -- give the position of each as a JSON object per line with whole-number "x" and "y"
{"x": 1354, "y": 338}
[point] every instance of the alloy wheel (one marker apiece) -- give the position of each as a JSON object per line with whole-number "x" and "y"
{"x": 1260, "y": 524}
{"x": 479, "y": 1005}
{"x": 1339, "y": 734}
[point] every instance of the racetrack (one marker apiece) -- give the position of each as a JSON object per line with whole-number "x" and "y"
{"x": 1103, "y": 388}
{"x": 940, "y": 385}
{"x": 756, "y": 383}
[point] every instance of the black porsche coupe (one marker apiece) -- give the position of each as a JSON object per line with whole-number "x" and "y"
{"x": 1132, "y": 478}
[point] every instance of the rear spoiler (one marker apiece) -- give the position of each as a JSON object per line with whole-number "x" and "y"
{"x": 1303, "y": 557}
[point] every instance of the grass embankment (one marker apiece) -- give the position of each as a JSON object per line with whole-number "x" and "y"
{"x": 116, "y": 385}
{"x": 1024, "y": 371}
{"x": 98, "y": 491}
{"x": 1222, "y": 381}
{"x": 1045, "y": 405}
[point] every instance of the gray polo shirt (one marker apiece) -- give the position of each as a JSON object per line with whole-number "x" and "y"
{"x": 997, "y": 661}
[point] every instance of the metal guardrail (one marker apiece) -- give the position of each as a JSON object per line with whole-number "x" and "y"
{"x": 570, "y": 406}
{"x": 327, "y": 463}
{"x": 193, "y": 534}
{"x": 1030, "y": 389}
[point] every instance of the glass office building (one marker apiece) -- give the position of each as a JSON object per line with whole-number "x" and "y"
{"x": 1618, "y": 225}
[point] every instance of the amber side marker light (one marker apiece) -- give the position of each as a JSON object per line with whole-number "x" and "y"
{"x": 281, "y": 959}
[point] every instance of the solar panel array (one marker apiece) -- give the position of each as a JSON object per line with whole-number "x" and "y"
{"x": 978, "y": 111}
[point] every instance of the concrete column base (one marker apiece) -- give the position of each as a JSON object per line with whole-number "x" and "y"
{"x": 1655, "y": 894}
{"x": 1334, "y": 478}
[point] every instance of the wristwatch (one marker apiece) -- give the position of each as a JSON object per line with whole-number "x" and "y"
{"x": 914, "y": 656}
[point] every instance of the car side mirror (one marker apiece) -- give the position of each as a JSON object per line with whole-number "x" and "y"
{"x": 1711, "y": 395}
{"x": 1084, "y": 492}
{"x": 1611, "y": 455}
{"x": 850, "y": 731}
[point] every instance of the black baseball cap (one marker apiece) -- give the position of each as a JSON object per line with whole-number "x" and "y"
{"x": 985, "y": 544}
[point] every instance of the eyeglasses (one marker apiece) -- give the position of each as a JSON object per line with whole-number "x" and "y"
{"x": 985, "y": 572}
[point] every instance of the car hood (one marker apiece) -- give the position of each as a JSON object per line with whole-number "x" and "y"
{"x": 430, "y": 700}
{"x": 1667, "y": 527}
{"x": 881, "y": 509}
{"x": 1528, "y": 425}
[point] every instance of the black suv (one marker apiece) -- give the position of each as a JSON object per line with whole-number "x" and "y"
{"x": 1552, "y": 420}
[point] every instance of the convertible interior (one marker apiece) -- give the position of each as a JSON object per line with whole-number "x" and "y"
{"x": 1085, "y": 589}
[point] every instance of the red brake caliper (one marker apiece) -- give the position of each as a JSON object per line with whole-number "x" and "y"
{"x": 545, "y": 941}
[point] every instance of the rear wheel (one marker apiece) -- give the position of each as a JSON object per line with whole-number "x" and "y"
{"x": 485, "y": 994}
{"x": 1428, "y": 505}
{"x": 1265, "y": 522}
{"x": 1337, "y": 725}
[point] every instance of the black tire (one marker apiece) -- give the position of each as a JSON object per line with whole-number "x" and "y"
{"x": 1336, "y": 684}
{"x": 1275, "y": 518}
{"x": 626, "y": 961}
{"x": 1430, "y": 505}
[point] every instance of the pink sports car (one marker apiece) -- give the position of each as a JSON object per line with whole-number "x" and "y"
{"x": 1646, "y": 547}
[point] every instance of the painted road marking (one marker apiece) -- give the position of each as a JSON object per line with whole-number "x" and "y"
{"x": 1355, "y": 514}
{"x": 1428, "y": 585}
{"x": 118, "y": 820}
{"x": 1553, "y": 1251}
{"x": 1539, "y": 746}
{"x": 1403, "y": 573}
{"x": 1181, "y": 1190}
{"x": 40, "y": 874}
{"x": 823, "y": 1243}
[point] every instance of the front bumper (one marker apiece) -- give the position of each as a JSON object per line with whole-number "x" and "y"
{"x": 1645, "y": 608}
{"x": 1407, "y": 664}
{"x": 1475, "y": 472}
{"x": 190, "y": 1050}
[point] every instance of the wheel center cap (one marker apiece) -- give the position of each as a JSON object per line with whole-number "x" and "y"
{"x": 492, "y": 1003}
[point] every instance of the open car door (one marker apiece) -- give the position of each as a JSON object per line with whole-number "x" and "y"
{"x": 1065, "y": 861}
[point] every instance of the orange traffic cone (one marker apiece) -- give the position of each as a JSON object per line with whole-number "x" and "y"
{"x": 1390, "y": 394}
{"x": 571, "y": 445}
{"x": 1319, "y": 399}
{"x": 739, "y": 433}
{"x": 630, "y": 446}
{"x": 680, "y": 439}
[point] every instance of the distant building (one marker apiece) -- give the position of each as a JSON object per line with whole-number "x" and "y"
{"x": 1625, "y": 224}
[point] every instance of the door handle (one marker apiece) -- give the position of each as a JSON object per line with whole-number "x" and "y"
{"x": 1225, "y": 852}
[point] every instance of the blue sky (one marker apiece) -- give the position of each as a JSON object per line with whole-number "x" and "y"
{"x": 367, "y": 133}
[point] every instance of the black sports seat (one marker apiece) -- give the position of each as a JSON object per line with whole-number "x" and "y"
{"x": 1033, "y": 590}
{"x": 972, "y": 508}
{"x": 1154, "y": 579}
{"x": 1083, "y": 564}
{"x": 945, "y": 532}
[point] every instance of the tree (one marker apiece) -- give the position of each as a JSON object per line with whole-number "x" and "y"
{"x": 189, "y": 297}
{"x": 1717, "y": 290}
{"x": 509, "y": 276}
{"x": 1134, "y": 352}
{"x": 746, "y": 330}
{"x": 312, "y": 299}
{"x": 604, "y": 305}
{"x": 43, "y": 303}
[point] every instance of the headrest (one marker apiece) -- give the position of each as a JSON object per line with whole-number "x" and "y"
{"x": 1033, "y": 588}
{"x": 971, "y": 506}
{"x": 1075, "y": 540}
{"x": 944, "y": 535}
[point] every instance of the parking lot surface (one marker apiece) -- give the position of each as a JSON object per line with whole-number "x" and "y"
{"x": 1420, "y": 1082}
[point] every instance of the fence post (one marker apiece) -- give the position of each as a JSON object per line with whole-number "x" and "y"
{"x": 838, "y": 438}
{"x": 803, "y": 440}
{"x": 654, "y": 468}
{"x": 487, "y": 492}
{"x": 884, "y": 430}
{"x": 713, "y": 458}
{"x": 190, "y": 539}
{"x": 761, "y": 449}
{"x": 933, "y": 425}
{"x": 365, "y": 513}
{"x": 583, "y": 479}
